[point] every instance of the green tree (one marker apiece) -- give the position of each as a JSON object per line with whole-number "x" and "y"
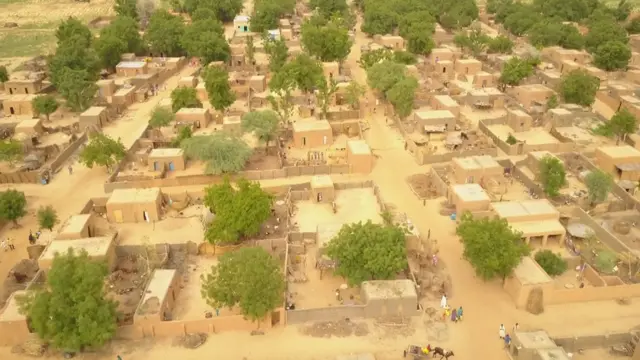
{"x": 278, "y": 52}
{"x": 553, "y": 264}
{"x": 500, "y": 45}
{"x": 110, "y": 49}
{"x": 511, "y": 140}
{"x": 249, "y": 278}
{"x": 281, "y": 99}
{"x": 475, "y": 41}
{"x": 13, "y": 205}
{"x": 47, "y": 217}
{"x": 579, "y": 87}
{"x": 326, "y": 91}
{"x": 404, "y": 57}
{"x": 239, "y": 212}
{"x": 420, "y": 38}
{"x": 622, "y": 123}
{"x": 552, "y": 175}
{"x": 304, "y": 70}
{"x": 221, "y": 152}
{"x": 602, "y": 32}
{"x": 368, "y": 251}
{"x": 184, "y": 97}
{"x": 599, "y": 184}
{"x": 203, "y": 14}
{"x": 72, "y": 312}
{"x": 263, "y": 124}
{"x": 514, "y": 71}
{"x": 327, "y": 41}
{"x": 205, "y": 39}
{"x": 326, "y": 8}
{"x": 103, "y": 151}
{"x": 225, "y": 10}
{"x": 11, "y": 150}
{"x": 384, "y": 75}
{"x": 605, "y": 261}
{"x": 571, "y": 37}
{"x": 164, "y": 34}
{"x": 353, "y": 93}
{"x": 370, "y": 58}
{"x": 552, "y": 103}
{"x": 634, "y": 26}
{"x": 45, "y": 105}
{"x": 77, "y": 89}
{"x": 267, "y": 13}
{"x": 161, "y": 116}
{"x": 250, "y": 51}
{"x": 185, "y": 132}
{"x": 4, "y": 74}
{"x": 216, "y": 82}
{"x": 125, "y": 29}
{"x": 126, "y": 8}
{"x": 612, "y": 55}
{"x": 490, "y": 245}
{"x": 73, "y": 28}
{"x": 402, "y": 96}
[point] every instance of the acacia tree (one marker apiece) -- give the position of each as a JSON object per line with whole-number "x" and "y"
{"x": 326, "y": 90}
{"x": 353, "y": 93}
{"x": 45, "y": 105}
{"x": 277, "y": 51}
{"x": 161, "y": 116}
{"x": 599, "y": 184}
{"x": 281, "y": 99}
{"x": 263, "y": 124}
{"x": 579, "y": 87}
{"x": 216, "y": 82}
{"x": 239, "y": 213}
{"x": 13, "y": 205}
{"x": 490, "y": 245}
{"x": 72, "y": 312}
{"x": 184, "y": 97}
{"x": 102, "y": 150}
{"x": 249, "y": 278}
{"x": 222, "y": 153}
{"x": 368, "y": 251}
{"x": 47, "y": 217}
{"x": 552, "y": 175}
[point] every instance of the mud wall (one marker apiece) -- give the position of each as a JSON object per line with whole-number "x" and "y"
{"x": 601, "y": 233}
{"x": 332, "y": 313}
{"x": 574, "y": 343}
{"x": 20, "y": 177}
{"x": 59, "y": 161}
{"x": 438, "y": 182}
{"x": 439, "y": 158}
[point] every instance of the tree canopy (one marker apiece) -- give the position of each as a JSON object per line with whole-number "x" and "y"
{"x": 184, "y": 97}
{"x": 11, "y": 150}
{"x": 552, "y": 175}
{"x": 263, "y": 124}
{"x": 391, "y": 79}
{"x": 224, "y": 10}
{"x": 13, "y": 205}
{"x": 328, "y": 40}
{"x": 161, "y": 116}
{"x": 220, "y": 152}
{"x": 45, "y": 105}
{"x": 47, "y": 217}
{"x": 126, "y": 8}
{"x": 72, "y": 312}
{"x": 277, "y": 51}
{"x": 204, "y": 38}
{"x": 599, "y": 184}
{"x": 102, "y": 150}
{"x": 579, "y": 87}
{"x": 4, "y": 74}
{"x": 216, "y": 82}
{"x": 303, "y": 70}
{"x": 353, "y": 93}
{"x": 553, "y": 264}
{"x": 165, "y": 33}
{"x": 368, "y": 251}
{"x": 490, "y": 245}
{"x": 514, "y": 71}
{"x": 402, "y": 94}
{"x": 239, "y": 213}
{"x": 612, "y": 55}
{"x": 622, "y": 123}
{"x": 267, "y": 13}
{"x": 249, "y": 278}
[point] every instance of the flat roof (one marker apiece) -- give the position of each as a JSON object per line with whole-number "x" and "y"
{"x": 471, "y": 192}
{"x": 157, "y": 287}
{"x": 541, "y": 154}
{"x": 518, "y": 112}
{"x": 124, "y": 91}
{"x": 534, "y": 339}
{"x": 435, "y": 114}
{"x": 241, "y": 18}
{"x": 535, "y": 87}
{"x": 326, "y": 232}
{"x": 535, "y": 228}
{"x": 128, "y": 196}
{"x": 619, "y": 151}
{"x": 75, "y": 224}
{"x": 446, "y": 100}
{"x": 507, "y": 209}
{"x": 311, "y": 125}
{"x": 468, "y": 61}
{"x": 529, "y": 273}
{"x": 477, "y": 162}
{"x": 28, "y": 123}
{"x": 321, "y": 181}
{"x": 94, "y": 111}
{"x": 560, "y": 111}
{"x": 359, "y": 147}
{"x": 629, "y": 167}
{"x": 131, "y": 64}
{"x": 20, "y": 97}
{"x": 96, "y": 246}
{"x": 630, "y": 98}
{"x": 166, "y": 152}
{"x": 556, "y": 353}
{"x": 389, "y": 289}
{"x": 192, "y": 111}
{"x": 11, "y": 311}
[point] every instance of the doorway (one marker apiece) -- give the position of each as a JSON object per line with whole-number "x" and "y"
{"x": 319, "y": 197}
{"x": 145, "y": 216}
{"x": 304, "y": 140}
{"x": 13, "y": 112}
{"x": 117, "y": 216}
{"x": 171, "y": 166}
{"x": 26, "y": 90}
{"x": 324, "y": 140}
{"x": 245, "y": 28}
{"x": 275, "y": 318}
{"x": 156, "y": 166}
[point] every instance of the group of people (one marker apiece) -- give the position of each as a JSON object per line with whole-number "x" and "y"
{"x": 505, "y": 336}
{"x": 448, "y": 312}
{"x": 7, "y": 244}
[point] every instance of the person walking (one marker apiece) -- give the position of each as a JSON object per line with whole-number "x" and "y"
{"x": 502, "y": 332}
{"x": 443, "y": 301}
{"x": 516, "y": 327}
{"x": 507, "y": 341}
{"x": 3, "y": 244}
{"x": 454, "y": 315}
{"x": 10, "y": 244}
{"x": 460, "y": 313}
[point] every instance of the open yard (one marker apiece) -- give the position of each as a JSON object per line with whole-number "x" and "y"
{"x": 176, "y": 227}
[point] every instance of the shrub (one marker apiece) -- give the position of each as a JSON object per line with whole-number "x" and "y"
{"x": 552, "y": 263}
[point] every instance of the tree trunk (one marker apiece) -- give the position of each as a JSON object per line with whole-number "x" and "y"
{"x": 47, "y": 116}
